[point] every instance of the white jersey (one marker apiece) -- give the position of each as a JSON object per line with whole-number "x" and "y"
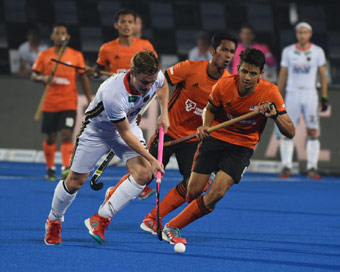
{"x": 28, "y": 54}
{"x": 115, "y": 101}
{"x": 302, "y": 66}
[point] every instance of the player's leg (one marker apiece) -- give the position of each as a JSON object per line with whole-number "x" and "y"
{"x": 87, "y": 152}
{"x": 49, "y": 127}
{"x": 293, "y": 106}
{"x": 313, "y": 144}
{"x": 66, "y": 127}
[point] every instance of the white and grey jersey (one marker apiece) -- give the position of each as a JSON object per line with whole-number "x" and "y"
{"x": 115, "y": 101}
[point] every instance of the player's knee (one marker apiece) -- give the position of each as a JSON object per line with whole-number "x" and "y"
{"x": 74, "y": 182}
{"x": 143, "y": 175}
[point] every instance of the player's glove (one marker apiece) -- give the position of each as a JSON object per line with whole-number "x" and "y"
{"x": 324, "y": 103}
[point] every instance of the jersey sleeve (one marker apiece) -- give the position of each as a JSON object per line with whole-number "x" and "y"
{"x": 160, "y": 80}
{"x": 102, "y": 58}
{"x": 150, "y": 47}
{"x": 284, "y": 58}
{"x": 276, "y": 97}
{"x": 215, "y": 95}
{"x": 179, "y": 72}
{"x": 321, "y": 58}
{"x": 38, "y": 65}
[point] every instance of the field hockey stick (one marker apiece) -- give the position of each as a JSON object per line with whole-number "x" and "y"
{"x": 47, "y": 86}
{"x": 214, "y": 128}
{"x": 93, "y": 182}
{"x": 158, "y": 180}
{"x": 106, "y": 73}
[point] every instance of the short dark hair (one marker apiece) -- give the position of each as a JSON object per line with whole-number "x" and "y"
{"x": 219, "y": 36}
{"x": 253, "y": 56}
{"x": 60, "y": 24}
{"x": 124, "y": 12}
{"x": 145, "y": 62}
{"x": 249, "y": 26}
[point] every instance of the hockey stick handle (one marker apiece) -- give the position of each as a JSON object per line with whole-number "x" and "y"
{"x": 160, "y": 152}
{"x": 158, "y": 180}
{"x": 106, "y": 73}
{"x": 214, "y": 128}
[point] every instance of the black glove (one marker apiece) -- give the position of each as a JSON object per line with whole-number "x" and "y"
{"x": 324, "y": 103}
{"x": 273, "y": 107}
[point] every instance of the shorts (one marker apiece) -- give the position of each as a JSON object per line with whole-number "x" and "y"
{"x": 56, "y": 121}
{"x": 214, "y": 155}
{"x": 92, "y": 144}
{"x": 305, "y": 102}
{"x": 184, "y": 153}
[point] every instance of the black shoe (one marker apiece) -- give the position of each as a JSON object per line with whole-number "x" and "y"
{"x": 50, "y": 175}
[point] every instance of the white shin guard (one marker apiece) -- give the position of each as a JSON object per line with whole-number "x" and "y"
{"x": 62, "y": 199}
{"x": 287, "y": 150}
{"x": 127, "y": 191}
{"x": 313, "y": 151}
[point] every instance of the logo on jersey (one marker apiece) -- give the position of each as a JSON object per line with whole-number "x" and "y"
{"x": 301, "y": 69}
{"x": 191, "y": 105}
{"x": 146, "y": 98}
{"x": 133, "y": 99}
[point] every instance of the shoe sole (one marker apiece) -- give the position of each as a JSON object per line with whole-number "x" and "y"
{"x": 146, "y": 228}
{"x": 93, "y": 235}
{"x": 57, "y": 244}
{"x": 147, "y": 196}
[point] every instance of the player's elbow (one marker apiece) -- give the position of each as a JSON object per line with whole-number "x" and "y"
{"x": 290, "y": 133}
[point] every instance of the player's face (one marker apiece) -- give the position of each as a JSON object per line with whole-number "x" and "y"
{"x": 59, "y": 34}
{"x": 224, "y": 54}
{"x": 138, "y": 26}
{"x": 142, "y": 82}
{"x": 247, "y": 36}
{"x": 303, "y": 35}
{"x": 249, "y": 76}
{"x": 125, "y": 25}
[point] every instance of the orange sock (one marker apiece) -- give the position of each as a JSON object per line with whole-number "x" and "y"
{"x": 192, "y": 212}
{"x": 49, "y": 151}
{"x": 66, "y": 150}
{"x": 173, "y": 199}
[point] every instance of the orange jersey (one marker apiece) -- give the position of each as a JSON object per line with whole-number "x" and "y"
{"x": 190, "y": 96}
{"x": 225, "y": 95}
{"x": 118, "y": 57}
{"x": 63, "y": 93}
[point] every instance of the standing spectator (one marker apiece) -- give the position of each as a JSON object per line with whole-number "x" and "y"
{"x": 247, "y": 37}
{"x": 300, "y": 64}
{"x": 202, "y": 49}
{"x": 29, "y": 50}
{"x": 59, "y": 109}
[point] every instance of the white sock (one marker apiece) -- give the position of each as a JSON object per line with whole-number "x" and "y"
{"x": 128, "y": 190}
{"x": 62, "y": 199}
{"x": 286, "y": 150}
{"x": 313, "y": 151}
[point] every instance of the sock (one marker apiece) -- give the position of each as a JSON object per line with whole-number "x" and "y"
{"x": 313, "y": 151}
{"x": 196, "y": 209}
{"x": 62, "y": 199}
{"x": 172, "y": 200}
{"x": 66, "y": 150}
{"x": 49, "y": 151}
{"x": 128, "y": 190}
{"x": 286, "y": 150}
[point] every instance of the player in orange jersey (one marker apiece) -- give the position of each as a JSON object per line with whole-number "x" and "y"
{"x": 194, "y": 80}
{"x": 227, "y": 151}
{"x": 59, "y": 109}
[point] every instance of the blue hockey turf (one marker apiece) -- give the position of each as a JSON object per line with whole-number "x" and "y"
{"x": 262, "y": 224}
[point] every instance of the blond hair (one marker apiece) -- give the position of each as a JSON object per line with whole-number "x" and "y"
{"x": 145, "y": 62}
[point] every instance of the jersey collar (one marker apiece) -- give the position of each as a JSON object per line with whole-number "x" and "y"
{"x": 127, "y": 86}
{"x": 305, "y": 49}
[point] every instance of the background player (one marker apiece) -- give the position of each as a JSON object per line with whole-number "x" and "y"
{"x": 59, "y": 109}
{"x": 110, "y": 123}
{"x": 228, "y": 150}
{"x": 300, "y": 64}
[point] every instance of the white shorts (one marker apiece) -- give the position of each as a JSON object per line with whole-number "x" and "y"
{"x": 305, "y": 102}
{"x": 93, "y": 144}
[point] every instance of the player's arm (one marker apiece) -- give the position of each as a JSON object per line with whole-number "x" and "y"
{"x": 324, "y": 87}
{"x": 208, "y": 117}
{"x": 125, "y": 132}
{"x": 163, "y": 98}
{"x": 41, "y": 78}
{"x": 85, "y": 83}
{"x": 281, "y": 81}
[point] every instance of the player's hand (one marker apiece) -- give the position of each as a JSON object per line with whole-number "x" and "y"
{"x": 324, "y": 103}
{"x": 163, "y": 121}
{"x": 202, "y": 132}
{"x": 90, "y": 70}
{"x": 268, "y": 109}
{"x": 48, "y": 79}
{"x": 157, "y": 166}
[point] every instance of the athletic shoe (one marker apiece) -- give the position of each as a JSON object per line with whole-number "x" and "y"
{"x": 64, "y": 172}
{"x": 97, "y": 226}
{"x": 313, "y": 174}
{"x": 53, "y": 232}
{"x": 50, "y": 175}
{"x": 172, "y": 235}
{"x": 285, "y": 173}
{"x": 147, "y": 192}
{"x": 149, "y": 224}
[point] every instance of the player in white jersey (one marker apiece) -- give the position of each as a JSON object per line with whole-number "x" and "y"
{"x": 300, "y": 64}
{"x": 110, "y": 123}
